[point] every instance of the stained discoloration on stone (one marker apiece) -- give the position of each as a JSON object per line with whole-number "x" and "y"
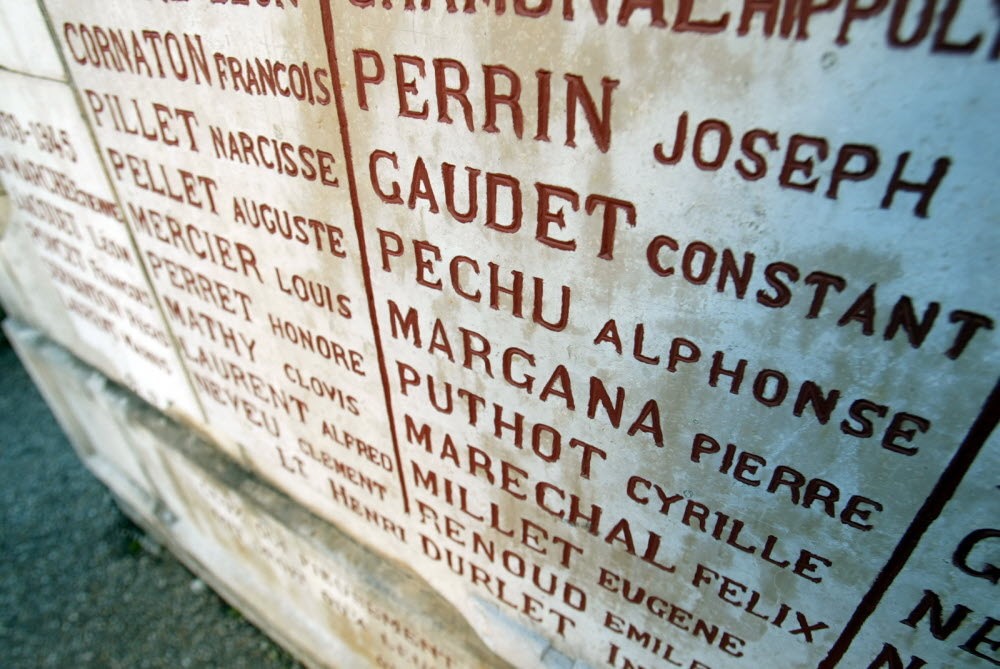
{"x": 250, "y": 542}
{"x": 642, "y": 326}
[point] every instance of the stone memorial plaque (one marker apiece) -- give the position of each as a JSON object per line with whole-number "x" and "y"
{"x": 26, "y": 291}
{"x": 941, "y": 610}
{"x": 333, "y": 603}
{"x": 687, "y": 306}
{"x": 69, "y": 250}
{"x": 218, "y": 126}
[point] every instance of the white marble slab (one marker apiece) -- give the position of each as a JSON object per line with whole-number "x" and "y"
{"x": 309, "y": 586}
{"x": 740, "y": 370}
{"x": 69, "y": 251}
{"x": 941, "y": 607}
{"x": 659, "y": 322}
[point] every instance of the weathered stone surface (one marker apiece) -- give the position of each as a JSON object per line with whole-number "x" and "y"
{"x": 25, "y": 293}
{"x": 332, "y": 602}
{"x": 67, "y": 248}
{"x": 25, "y": 43}
{"x": 237, "y": 196}
{"x": 647, "y": 333}
{"x": 25, "y": 288}
{"x": 941, "y": 609}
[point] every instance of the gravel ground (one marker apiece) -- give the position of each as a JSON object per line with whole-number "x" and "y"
{"x": 80, "y": 584}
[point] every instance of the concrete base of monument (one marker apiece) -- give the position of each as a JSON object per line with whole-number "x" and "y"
{"x": 316, "y": 592}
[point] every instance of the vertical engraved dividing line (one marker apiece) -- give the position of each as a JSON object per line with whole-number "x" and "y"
{"x": 331, "y": 54}
{"x": 931, "y": 509}
{"x": 98, "y": 149}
